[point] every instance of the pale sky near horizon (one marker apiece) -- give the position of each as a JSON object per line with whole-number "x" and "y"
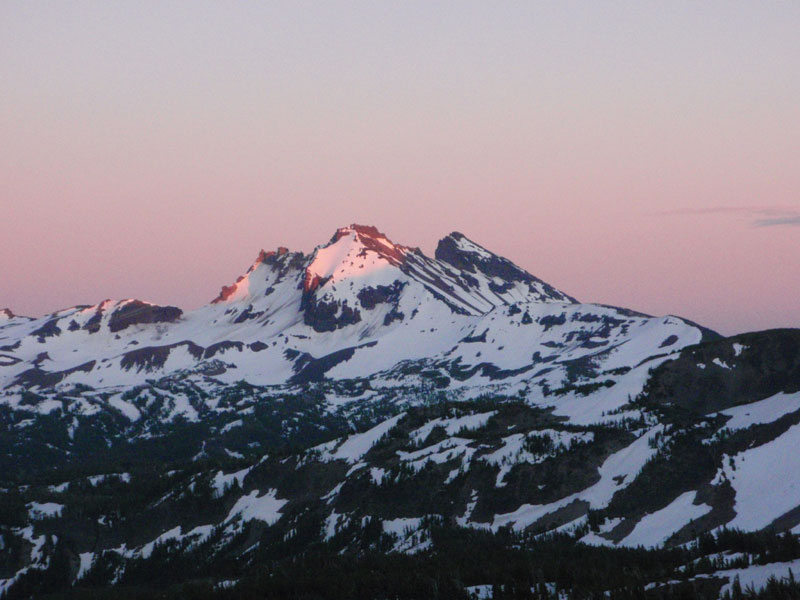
{"x": 641, "y": 154}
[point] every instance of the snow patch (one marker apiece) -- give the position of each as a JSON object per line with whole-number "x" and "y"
{"x": 264, "y": 508}
{"x": 768, "y": 410}
{"x": 357, "y": 445}
{"x": 654, "y": 529}
{"x": 44, "y": 510}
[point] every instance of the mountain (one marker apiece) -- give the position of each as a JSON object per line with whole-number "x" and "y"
{"x": 356, "y": 306}
{"x": 368, "y": 402}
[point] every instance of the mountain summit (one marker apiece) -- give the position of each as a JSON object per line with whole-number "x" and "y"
{"x": 361, "y": 278}
{"x": 356, "y": 305}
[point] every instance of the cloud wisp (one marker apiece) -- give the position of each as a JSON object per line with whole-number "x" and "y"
{"x": 790, "y": 220}
{"x": 760, "y": 216}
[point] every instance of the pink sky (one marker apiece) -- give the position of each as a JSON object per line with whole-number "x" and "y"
{"x": 638, "y": 154}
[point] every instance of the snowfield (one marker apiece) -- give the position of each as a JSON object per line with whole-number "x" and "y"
{"x": 765, "y": 480}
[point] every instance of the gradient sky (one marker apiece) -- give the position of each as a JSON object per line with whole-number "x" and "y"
{"x": 642, "y": 154}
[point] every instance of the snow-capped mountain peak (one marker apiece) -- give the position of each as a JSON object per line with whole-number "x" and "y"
{"x": 357, "y": 251}
{"x": 359, "y": 296}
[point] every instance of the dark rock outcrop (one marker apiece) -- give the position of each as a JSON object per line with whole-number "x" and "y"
{"x": 327, "y": 316}
{"x": 37, "y": 377}
{"x": 137, "y": 312}
{"x": 716, "y": 375}
{"x": 449, "y": 250}
{"x": 307, "y": 368}
{"x": 49, "y": 329}
{"x": 151, "y": 358}
{"x": 370, "y": 297}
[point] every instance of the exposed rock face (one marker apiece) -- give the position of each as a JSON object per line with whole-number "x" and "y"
{"x": 307, "y": 368}
{"x": 49, "y": 329}
{"x": 152, "y": 358}
{"x": 312, "y": 281}
{"x": 37, "y": 377}
{"x": 370, "y": 297}
{"x": 328, "y": 316}
{"x": 248, "y": 314}
{"x": 727, "y": 372}
{"x": 137, "y": 313}
{"x": 226, "y": 292}
{"x": 465, "y": 255}
{"x": 221, "y": 347}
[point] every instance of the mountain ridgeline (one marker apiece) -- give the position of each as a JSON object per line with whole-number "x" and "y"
{"x": 417, "y": 427}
